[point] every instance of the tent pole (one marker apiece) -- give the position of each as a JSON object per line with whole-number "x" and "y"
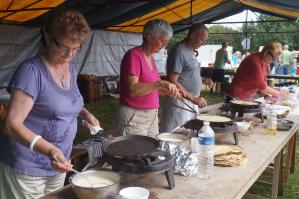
{"x": 246, "y": 31}
{"x": 190, "y": 12}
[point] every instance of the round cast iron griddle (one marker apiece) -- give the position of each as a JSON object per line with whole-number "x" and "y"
{"x": 213, "y": 123}
{"x": 229, "y": 120}
{"x": 284, "y": 125}
{"x": 235, "y": 104}
{"x": 131, "y": 146}
{"x": 196, "y": 124}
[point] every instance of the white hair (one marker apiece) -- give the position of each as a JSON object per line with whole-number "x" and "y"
{"x": 157, "y": 27}
{"x": 285, "y": 47}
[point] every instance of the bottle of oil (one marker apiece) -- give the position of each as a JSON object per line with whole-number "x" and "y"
{"x": 271, "y": 123}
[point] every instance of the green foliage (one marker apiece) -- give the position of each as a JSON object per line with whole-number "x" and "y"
{"x": 262, "y": 33}
{"x": 234, "y": 39}
{"x": 259, "y": 34}
{"x": 175, "y": 39}
{"x": 290, "y": 189}
{"x": 105, "y": 111}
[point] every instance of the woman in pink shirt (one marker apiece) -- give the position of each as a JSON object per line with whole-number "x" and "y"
{"x": 140, "y": 84}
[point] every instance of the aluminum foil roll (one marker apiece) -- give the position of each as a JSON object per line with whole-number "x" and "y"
{"x": 185, "y": 161}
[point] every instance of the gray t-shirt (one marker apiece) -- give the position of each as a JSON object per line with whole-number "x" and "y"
{"x": 181, "y": 60}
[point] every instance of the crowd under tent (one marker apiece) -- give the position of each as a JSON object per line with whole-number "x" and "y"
{"x": 116, "y": 26}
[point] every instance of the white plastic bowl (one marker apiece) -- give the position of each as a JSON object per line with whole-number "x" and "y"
{"x": 134, "y": 193}
{"x": 243, "y": 126}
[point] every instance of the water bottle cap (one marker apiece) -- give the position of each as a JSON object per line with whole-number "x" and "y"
{"x": 206, "y": 123}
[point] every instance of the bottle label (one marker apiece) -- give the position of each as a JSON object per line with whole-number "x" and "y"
{"x": 206, "y": 140}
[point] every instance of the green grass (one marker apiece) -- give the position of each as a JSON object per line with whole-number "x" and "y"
{"x": 105, "y": 111}
{"x": 291, "y": 189}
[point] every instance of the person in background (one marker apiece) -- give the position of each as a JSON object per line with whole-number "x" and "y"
{"x": 247, "y": 53}
{"x": 251, "y": 76}
{"x": 41, "y": 122}
{"x": 273, "y": 66}
{"x": 220, "y": 61}
{"x": 238, "y": 58}
{"x": 286, "y": 59}
{"x": 234, "y": 59}
{"x": 293, "y": 63}
{"x": 140, "y": 84}
{"x": 184, "y": 71}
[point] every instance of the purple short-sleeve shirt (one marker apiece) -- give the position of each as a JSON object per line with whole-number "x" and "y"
{"x": 53, "y": 116}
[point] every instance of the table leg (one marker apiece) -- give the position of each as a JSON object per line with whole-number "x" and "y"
{"x": 170, "y": 179}
{"x": 280, "y": 180}
{"x": 294, "y": 155}
{"x": 289, "y": 158}
{"x": 275, "y": 179}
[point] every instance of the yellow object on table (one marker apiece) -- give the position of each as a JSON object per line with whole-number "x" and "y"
{"x": 271, "y": 132}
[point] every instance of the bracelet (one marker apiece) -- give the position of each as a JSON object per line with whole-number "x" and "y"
{"x": 34, "y": 141}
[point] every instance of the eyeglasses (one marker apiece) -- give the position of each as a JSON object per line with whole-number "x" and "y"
{"x": 64, "y": 49}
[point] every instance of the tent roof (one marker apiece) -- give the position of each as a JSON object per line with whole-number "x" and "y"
{"x": 131, "y": 15}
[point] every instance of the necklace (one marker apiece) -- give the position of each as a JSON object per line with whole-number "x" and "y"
{"x": 59, "y": 78}
{"x": 63, "y": 82}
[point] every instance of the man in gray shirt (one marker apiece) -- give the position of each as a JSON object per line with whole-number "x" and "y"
{"x": 184, "y": 71}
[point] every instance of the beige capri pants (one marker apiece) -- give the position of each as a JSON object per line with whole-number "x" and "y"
{"x": 131, "y": 121}
{"x": 14, "y": 185}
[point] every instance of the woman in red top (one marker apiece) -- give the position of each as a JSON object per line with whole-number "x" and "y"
{"x": 251, "y": 76}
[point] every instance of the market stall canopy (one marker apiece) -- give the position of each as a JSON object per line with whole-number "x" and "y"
{"x": 131, "y": 15}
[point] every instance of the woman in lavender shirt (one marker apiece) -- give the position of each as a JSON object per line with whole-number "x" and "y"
{"x": 42, "y": 117}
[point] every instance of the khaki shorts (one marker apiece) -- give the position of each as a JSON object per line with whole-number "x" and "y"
{"x": 132, "y": 121}
{"x": 14, "y": 185}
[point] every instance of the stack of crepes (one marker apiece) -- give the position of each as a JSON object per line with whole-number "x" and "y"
{"x": 229, "y": 156}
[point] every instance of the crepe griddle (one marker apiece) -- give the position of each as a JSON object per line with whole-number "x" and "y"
{"x": 284, "y": 125}
{"x": 196, "y": 124}
{"x": 245, "y": 103}
{"x": 214, "y": 118}
{"x": 131, "y": 146}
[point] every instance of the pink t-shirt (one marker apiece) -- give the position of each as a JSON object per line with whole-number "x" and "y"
{"x": 134, "y": 63}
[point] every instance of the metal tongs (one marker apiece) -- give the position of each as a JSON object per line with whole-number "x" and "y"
{"x": 190, "y": 108}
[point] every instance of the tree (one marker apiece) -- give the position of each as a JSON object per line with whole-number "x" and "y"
{"x": 176, "y": 38}
{"x": 259, "y": 34}
{"x": 233, "y": 37}
{"x": 262, "y": 33}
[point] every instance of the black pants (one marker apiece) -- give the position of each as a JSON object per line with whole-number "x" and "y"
{"x": 218, "y": 75}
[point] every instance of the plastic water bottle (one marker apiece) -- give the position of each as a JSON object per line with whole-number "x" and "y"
{"x": 206, "y": 139}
